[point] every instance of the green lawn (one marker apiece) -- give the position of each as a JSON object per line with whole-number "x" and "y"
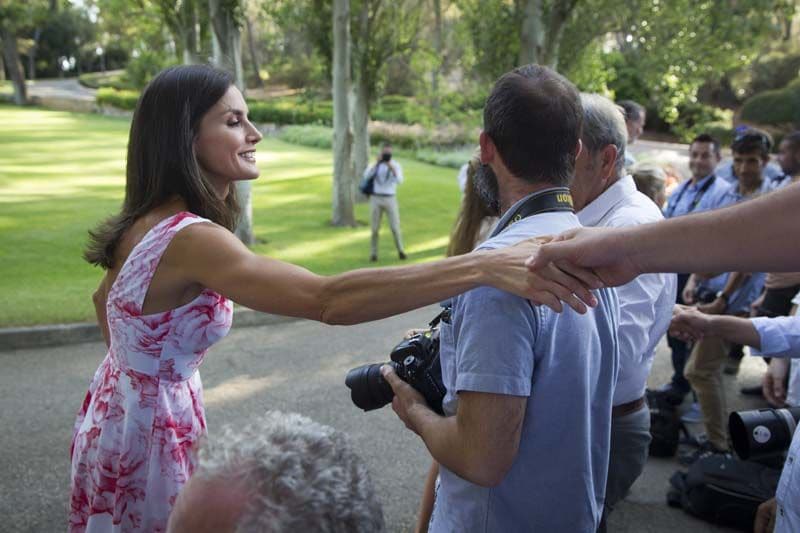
{"x": 60, "y": 173}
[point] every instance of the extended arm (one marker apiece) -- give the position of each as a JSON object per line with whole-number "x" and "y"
{"x": 750, "y": 236}
{"x": 212, "y": 257}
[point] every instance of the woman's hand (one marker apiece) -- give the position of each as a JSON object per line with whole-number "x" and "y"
{"x": 548, "y": 285}
{"x": 597, "y": 257}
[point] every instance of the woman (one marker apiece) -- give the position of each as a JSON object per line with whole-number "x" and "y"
{"x": 173, "y": 269}
{"x": 475, "y": 220}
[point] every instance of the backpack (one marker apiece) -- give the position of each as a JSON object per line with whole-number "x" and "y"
{"x": 367, "y": 185}
{"x": 723, "y": 490}
{"x": 665, "y": 425}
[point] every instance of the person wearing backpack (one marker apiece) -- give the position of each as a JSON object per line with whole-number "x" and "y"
{"x": 385, "y": 175}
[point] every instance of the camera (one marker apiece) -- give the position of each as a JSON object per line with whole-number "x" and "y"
{"x": 763, "y": 433}
{"x": 416, "y": 361}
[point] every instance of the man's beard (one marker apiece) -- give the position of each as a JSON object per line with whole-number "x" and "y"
{"x": 485, "y": 182}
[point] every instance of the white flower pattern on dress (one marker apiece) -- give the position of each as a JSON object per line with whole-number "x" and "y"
{"x": 135, "y": 438}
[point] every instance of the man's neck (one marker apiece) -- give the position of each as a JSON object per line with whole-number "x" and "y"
{"x": 698, "y": 179}
{"x": 746, "y": 189}
{"x": 517, "y": 189}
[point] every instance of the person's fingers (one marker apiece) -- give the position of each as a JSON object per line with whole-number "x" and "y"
{"x": 567, "y": 287}
{"x": 779, "y": 390}
{"x": 586, "y": 276}
{"x": 768, "y": 390}
{"x": 548, "y": 299}
{"x": 391, "y": 377}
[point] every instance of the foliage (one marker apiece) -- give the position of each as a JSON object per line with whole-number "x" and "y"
{"x": 695, "y": 118}
{"x": 445, "y": 158}
{"x": 290, "y": 111}
{"x": 494, "y": 40}
{"x": 314, "y": 136}
{"x": 776, "y": 107}
{"x": 63, "y": 173}
{"x": 121, "y": 99}
{"x": 773, "y": 71}
{"x": 142, "y": 68}
{"x": 113, "y": 79}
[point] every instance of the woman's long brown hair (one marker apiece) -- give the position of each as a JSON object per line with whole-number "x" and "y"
{"x": 473, "y": 211}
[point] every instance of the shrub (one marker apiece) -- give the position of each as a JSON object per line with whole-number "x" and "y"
{"x": 452, "y": 158}
{"x": 96, "y": 80}
{"x": 126, "y": 100}
{"x": 141, "y": 69}
{"x": 289, "y": 112}
{"x": 695, "y": 118}
{"x": 776, "y": 107}
{"x": 316, "y": 136}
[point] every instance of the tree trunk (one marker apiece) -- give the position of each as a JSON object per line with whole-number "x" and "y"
{"x": 251, "y": 46}
{"x": 343, "y": 171}
{"x": 188, "y": 32}
{"x": 227, "y": 56}
{"x": 437, "y": 46}
{"x": 11, "y": 57}
{"x": 37, "y": 33}
{"x": 531, "y": 35}
{"x": 2, "y": 67}
{"x": 360, "y": 115}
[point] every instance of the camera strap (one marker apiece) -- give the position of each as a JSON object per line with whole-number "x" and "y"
{"x": 551, "y": 200}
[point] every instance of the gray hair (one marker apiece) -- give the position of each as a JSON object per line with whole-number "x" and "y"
{"x": 604, "y": 124}
{"x": 303, "y": 476}
{"x": 651, "y": 180}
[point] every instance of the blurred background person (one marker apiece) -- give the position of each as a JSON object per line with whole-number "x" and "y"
{"x": 475, "y": 220}
{"x": 651, "y": 180}
{"x": 635, "y": 117}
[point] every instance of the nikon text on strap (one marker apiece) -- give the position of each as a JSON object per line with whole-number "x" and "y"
{"x": 556, "y": 199}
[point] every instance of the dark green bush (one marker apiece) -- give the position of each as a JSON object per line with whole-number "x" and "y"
{"x": 289, "y": 112}
{"x": 126, "y": 100}
{"x": 774, "y": 71}
{"x": 781, "y": 106}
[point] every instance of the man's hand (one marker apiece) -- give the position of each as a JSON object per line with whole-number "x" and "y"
{"x": 688, "y": 324}
{"x": 756, "y": 304}
{"x": 587, "y": 254}
{"x": 406, "y": 398}
{"x": 765, "y": 517}
{"x": 717, "y": 307}
{"x": 774, "y": 384}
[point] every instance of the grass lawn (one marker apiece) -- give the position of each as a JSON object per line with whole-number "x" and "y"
{"x": 61, "y": 173}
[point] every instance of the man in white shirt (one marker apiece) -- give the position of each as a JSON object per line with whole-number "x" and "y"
{"x": 388, "y": 175}
{"x": 605, "y": 196}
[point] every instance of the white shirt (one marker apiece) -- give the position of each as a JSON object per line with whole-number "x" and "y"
{"x": 386, "y": 182}
{"x": 645, "y": 304}
{"x": 780, "y": 337}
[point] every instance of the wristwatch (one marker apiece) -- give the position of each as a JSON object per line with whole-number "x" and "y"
{"x": 721, "y": 294}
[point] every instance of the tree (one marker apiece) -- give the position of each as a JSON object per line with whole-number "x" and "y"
{"x": 343, "y": 171}
{"x": 226, "y": 21}
{"x": 542, "y": 29}
{"x": 182, "y": 18}
{"x": 13, "y": 18}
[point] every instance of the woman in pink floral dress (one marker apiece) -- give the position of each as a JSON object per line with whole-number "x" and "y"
{"x": 173, "y": 267}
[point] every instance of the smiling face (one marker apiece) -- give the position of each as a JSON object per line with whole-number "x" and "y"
{"x": 702, "y": 159}
{"x": 226, "y": 141}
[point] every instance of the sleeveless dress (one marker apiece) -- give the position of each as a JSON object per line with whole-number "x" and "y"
{"x": 135, "y": 439}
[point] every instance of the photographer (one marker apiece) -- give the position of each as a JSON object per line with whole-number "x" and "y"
{"x": 388, "y": 175}
{"x": 529, "y": 392}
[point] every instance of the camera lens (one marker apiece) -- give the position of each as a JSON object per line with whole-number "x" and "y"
{"x": 763, "y": 432}
{"x": 368, "y": 389}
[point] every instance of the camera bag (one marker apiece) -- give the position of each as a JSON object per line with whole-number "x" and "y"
{"x": 367, "y": 185}
{"x": 665, "y": 425}
{"x": 723, "y": 490}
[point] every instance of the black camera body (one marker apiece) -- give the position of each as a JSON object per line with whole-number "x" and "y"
{"x": 415, "y": 360}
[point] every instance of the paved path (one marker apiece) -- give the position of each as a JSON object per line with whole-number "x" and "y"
{"x": 67, "y": 88}
{"x": 297, "y": 366}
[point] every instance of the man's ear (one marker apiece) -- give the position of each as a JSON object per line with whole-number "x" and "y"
{"x": 488, "y": 149}
{"x": 610, "y": 155}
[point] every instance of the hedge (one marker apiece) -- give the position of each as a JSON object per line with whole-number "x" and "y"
{"x": 781, "y": 106}
{"x": 120, "y": 99}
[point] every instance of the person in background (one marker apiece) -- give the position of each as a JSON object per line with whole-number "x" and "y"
{"x": 281, "y": 473}
{"x": 475, "y": 220}
{"x": 388, "y": 175}
{"x": 650, "y": 180}
{"x": 635, "y": 117}
{"x": 772, "y": 171}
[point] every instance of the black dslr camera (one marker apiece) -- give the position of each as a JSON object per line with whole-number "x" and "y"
{"x": 416, "y": 361}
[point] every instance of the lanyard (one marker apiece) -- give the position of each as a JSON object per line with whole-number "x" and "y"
{"x": 697, "y": 197}
{"x": 557, "y": 199}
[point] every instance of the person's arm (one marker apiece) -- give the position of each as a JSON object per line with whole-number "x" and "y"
{"x": 478, "y": 444}
{"x": 751, "y": 236}
{"x": 398, "y": 171}
{"x": 368, "y": 171}
{"x": 99, "y": 298}
{"x": 688, "y": 323}
{"x": 214, "y": 258}
{"x": 720, "y": 304}
{"x": 428, "y": 497}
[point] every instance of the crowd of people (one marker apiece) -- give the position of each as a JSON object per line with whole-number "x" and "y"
{"x": 544, "y": 362}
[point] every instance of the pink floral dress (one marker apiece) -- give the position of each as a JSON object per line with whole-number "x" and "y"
{"x": 134, "y": 443}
